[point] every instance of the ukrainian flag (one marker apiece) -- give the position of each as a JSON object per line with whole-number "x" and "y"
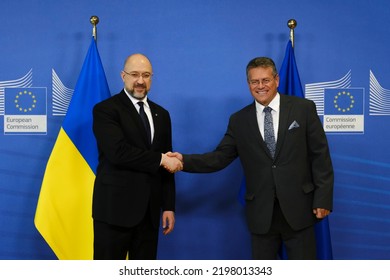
{"x": 64, "y": 210}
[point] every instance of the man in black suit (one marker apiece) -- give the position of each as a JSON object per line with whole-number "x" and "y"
{"x": 289, "y": 178}
{"x": 131, "y": 186}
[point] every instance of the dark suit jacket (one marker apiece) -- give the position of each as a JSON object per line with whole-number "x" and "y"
{"x": 129, "y": 177}
{"x": 300, "y": 176}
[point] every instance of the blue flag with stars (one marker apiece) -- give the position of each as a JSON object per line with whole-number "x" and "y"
{"x": 25, "y": 101}
{"x": 343, "y": 101}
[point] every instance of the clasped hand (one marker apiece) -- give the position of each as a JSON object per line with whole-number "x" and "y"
{"x": 173, "y": 162}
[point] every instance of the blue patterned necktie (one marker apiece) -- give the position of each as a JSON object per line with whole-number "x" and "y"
{"x": 269, "y": 135}
{"x": 145, "y": 121}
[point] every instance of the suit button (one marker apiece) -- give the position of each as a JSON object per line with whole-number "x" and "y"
{"x": 273, "y": 166}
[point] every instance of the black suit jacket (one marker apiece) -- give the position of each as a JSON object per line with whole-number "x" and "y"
{"x": 300, "y": 176}
{"x": 129, "y": 178}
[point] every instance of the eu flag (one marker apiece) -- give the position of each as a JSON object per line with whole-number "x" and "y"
{"x": 289, "y": 81}
{"x": 64, "y": 210}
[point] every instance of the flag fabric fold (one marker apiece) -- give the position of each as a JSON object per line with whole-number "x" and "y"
{"x": 323, "y": 239}
{"x": 64, "y": 210}
{"x": 289, "y": 81}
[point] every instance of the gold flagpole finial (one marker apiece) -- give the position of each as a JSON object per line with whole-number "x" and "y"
{"x": 292, "y": 23}
{"x": 94, "y": 21}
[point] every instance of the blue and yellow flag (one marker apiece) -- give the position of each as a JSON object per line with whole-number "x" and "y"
{"x": 64, "y": 211}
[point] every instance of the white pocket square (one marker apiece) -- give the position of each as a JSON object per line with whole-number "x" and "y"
{"x": 294, "y": 124}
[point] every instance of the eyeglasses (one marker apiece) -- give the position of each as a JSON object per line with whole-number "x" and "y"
{"x": 264, "y": 82}
{"x": 137, "y": 75}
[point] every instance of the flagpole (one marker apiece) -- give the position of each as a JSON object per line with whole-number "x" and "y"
{"x": 94, "y": 21}
{"x": 292, "y": 23}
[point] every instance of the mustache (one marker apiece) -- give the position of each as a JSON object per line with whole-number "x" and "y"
{"x": 140, "y": 85}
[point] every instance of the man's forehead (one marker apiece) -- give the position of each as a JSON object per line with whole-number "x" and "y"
{"x": 261, "y": 72}
{"x": 139, "y": 65}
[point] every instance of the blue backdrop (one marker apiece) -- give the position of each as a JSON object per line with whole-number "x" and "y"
{"x": 199, "y": 51}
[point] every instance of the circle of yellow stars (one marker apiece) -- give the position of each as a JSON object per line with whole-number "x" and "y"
{"x": 341, "y": 95}
{"x": 20, "y": 95}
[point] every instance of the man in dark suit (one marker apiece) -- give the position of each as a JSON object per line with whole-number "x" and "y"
{"x": 286, "y": 162}
{"x": 131, "y": 186}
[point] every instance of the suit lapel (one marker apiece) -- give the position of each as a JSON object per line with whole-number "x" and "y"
{"x": 156, "y": 120}
{"x": 285, "y": 109}
{"x": 252, "y": 121}
{"x": 254, "y": 127}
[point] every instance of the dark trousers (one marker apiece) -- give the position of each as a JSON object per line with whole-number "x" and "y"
{"x": 116, "y": 242}
{"x": 300, "y": 245}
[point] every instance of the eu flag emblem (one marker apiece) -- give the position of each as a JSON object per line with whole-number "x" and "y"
{"x": 344, "y": 110}
{"x": 25, "y": 101}
{"x": 344, "y": 101}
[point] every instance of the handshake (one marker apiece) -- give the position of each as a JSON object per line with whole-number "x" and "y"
{"x": 173, "y": 162}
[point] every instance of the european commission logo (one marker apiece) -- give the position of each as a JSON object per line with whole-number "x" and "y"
{"x": 341, "y": 105}
{"x": 25, "y": 110}
{"x": 344, "y": 110}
